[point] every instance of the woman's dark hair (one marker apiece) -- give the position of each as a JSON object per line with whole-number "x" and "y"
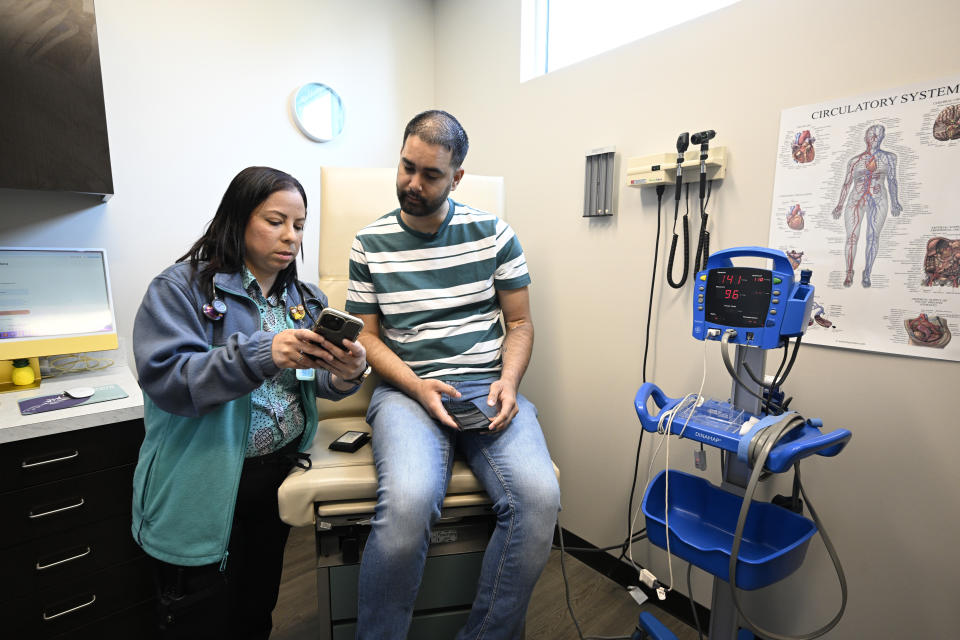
{"x": 221, "y": 248}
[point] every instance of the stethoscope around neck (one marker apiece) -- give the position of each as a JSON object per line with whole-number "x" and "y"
{"x": 217, "y": 308}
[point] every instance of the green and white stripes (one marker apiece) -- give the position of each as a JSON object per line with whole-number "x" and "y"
{"x": 436, "y": 294}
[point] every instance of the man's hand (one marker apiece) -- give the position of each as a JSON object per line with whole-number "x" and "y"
{"x": 895, "y": 209}
{"x": 430, "y": 396}
{"x": 504, "y": 394}
{"x": 837, "y": 211}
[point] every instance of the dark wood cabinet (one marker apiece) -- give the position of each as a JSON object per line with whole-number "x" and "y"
{"x": 69, "y": 564}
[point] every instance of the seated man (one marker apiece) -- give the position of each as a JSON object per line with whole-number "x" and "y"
{"x": 430, "y": 280}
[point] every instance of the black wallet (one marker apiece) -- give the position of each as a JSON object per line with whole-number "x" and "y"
{"x": 467, "y": 416}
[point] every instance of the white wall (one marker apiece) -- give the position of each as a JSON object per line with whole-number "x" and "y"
{"x": 196, "y": 91}
{"x": 890, "y": 501}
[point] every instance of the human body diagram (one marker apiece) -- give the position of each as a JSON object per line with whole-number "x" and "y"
{"x": 869, "y": 190}
{"x": 889, "y": 152}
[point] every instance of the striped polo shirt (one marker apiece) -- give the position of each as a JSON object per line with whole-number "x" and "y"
{"x": 437, "y": 293}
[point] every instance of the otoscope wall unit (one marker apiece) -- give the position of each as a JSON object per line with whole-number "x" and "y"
{"x": 661, "y": 168}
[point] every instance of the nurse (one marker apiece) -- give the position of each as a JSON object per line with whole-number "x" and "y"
{"x": 218, "y": 341}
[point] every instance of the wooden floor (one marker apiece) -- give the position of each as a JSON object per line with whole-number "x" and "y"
{"x": 603, "y": 607}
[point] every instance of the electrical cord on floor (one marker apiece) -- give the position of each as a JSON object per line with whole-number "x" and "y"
{"x": 653, "y": 281}
{"x": 693, "y": 604}
{"x": 761, "y": 445}
{"x": 632, "y": 537}
{"x": 628, "y": 541}
{"x": 637, "y": 537}
{"x": 566, "y": 593}
{"x": 665, "y": 428}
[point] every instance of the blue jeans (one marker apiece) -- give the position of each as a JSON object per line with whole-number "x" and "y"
{"x": 414, "y": 457}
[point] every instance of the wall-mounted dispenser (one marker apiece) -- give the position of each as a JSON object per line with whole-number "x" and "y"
{"x": 598, "y": 183}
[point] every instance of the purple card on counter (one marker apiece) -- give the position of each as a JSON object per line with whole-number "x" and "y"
{"x": 41, "y": 404}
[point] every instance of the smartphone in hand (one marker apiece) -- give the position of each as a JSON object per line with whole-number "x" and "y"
{"x": 336, "y": 325}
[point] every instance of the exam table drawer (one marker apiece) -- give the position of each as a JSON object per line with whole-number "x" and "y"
{"x": 74, "y": 603}
{"x": 57, "y": 506}
{"x": 34, "y": 461}
{"x": 448, "y": 581}
{"x": 47, "y": 561}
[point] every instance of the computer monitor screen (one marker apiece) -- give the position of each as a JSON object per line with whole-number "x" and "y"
{"x": 54, "y": 301}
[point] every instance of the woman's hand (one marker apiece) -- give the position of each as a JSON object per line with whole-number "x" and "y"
{"x": 304, "y": 349}
{"x": 346, "y": 362}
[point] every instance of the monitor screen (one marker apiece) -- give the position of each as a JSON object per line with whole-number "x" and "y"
{"x": 738, "y": 296}
{"x": 54, "y": 301}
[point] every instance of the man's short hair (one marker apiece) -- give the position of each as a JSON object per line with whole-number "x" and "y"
{"x": 439, "y": 127}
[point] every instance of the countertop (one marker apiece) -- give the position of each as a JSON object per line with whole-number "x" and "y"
{"x": 14, "y": 426}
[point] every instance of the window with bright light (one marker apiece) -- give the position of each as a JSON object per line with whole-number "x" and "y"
{"x": 558, "y": 33}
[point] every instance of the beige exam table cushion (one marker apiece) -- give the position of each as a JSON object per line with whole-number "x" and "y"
{"x": 346, "y": 483}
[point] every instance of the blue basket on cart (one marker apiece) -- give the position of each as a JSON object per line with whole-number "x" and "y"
{"x": 703, "y": 519}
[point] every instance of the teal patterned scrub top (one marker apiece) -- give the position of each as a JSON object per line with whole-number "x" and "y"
{"x": 277, "y": 417}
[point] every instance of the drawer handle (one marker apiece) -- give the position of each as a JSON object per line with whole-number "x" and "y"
{"x": 31, "y": 465}
{"x": 93, "y": 598}
{"x": 44, "y": 567}
{"x": 44, "y": 514}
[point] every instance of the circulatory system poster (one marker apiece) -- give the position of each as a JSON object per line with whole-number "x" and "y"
{"x": 867, "y": 194}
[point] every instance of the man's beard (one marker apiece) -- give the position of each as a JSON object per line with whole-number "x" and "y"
{"x": 414, "y": 205}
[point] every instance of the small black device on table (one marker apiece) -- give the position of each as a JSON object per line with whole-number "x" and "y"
{"x": 350, "y": 441}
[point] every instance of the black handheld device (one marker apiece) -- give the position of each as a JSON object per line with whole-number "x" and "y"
{"x": 703, "y": 136}
{"x": 683, "y": 142}
{"x": 350, "y": 441}
{"x": 336, "y": 325}
{"x": 467, "y": 416}
{"x": 703, "y": 139}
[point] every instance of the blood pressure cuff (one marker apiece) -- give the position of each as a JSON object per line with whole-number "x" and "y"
{"x": 743, "y": 449}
